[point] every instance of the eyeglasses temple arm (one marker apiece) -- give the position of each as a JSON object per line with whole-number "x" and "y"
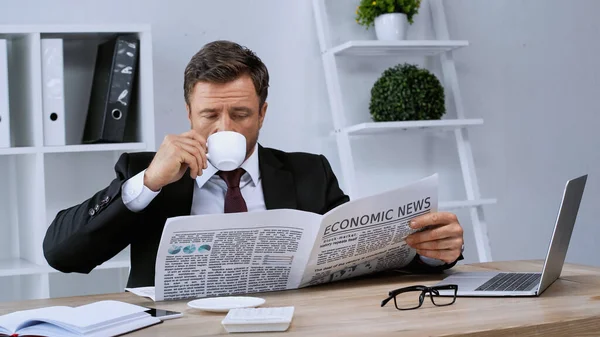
{"x": 384, "y": 302}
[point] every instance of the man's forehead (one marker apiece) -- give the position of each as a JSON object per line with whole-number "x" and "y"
{"x": 242, "y": 83}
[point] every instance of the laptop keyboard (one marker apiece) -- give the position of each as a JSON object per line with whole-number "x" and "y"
{"x": 511, "y": 282}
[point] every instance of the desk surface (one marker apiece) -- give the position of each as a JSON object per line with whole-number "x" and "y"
{"x": 352, "y": 307}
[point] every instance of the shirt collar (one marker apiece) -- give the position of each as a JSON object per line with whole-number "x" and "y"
{"x": 250, "y": 165}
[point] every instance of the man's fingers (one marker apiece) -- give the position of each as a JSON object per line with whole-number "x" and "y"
{"x": 433, "y": 234}
{"x": 440, "y": 236}
{"x": 435, "y": 218}
{"x": 193, "y": 138}
{"x": 198, "y": 150}
{"x": 190, "y": 160}
{"x": 192, "y": 134}
{"x": 197, "y": 157}
{"x": 446, "y": 255}
{"x": 451, "y": 243}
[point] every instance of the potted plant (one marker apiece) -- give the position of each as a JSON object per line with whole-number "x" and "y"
{"x": 391, "y": 18}
{"x": 407, "y": 92}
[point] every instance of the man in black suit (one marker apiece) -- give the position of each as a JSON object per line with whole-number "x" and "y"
{"x": 225, "y": 88}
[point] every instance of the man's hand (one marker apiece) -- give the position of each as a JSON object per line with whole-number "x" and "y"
{"x": 175, "y": 155}
{"x": 442, "y": 239}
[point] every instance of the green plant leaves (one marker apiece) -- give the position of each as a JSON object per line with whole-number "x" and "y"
{"x": 368, "y": 10}
{"x": 406, "y": 92}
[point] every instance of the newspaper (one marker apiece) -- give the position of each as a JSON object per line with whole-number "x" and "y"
{"x": 243, "y": 253}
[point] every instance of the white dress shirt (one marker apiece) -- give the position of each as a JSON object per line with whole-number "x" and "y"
{"x": 209, "y": 193}
{"x": 209, "y": 190}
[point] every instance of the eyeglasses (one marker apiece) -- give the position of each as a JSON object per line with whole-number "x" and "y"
{"x": 405, "y": 298}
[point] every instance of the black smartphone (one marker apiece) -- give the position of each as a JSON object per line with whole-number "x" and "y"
{"x": 163, "y": 314}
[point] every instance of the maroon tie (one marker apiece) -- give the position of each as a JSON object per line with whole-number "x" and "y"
{"x": 234, "y": 201}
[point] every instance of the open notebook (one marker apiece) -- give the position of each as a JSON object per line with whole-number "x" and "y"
{"x": 104, "y": 318}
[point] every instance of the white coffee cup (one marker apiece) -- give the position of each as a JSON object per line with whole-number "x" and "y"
{"x": 226, "y": 150}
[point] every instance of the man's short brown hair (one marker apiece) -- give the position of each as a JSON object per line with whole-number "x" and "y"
{"x": 224, "y": 61}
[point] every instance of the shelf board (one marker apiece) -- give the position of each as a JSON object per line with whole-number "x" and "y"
{"x": 15, "y": 267}
{"x": 81, "y": 28}
{"x": 74, "y": 148}
{"x": 448, "y": 205}
{"x": 387, "y": 127}
{"x": 121, "y": 260}
{"x": 17, "y": 150}
{"x": 397, "y": 48}
{"x": 94, "y": 147}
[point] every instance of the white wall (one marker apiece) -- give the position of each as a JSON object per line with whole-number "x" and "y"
{"x": 531, "y": 72}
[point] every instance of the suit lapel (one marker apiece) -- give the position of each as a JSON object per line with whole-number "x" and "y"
{"x": 277, "y": 183}
{"x": 180, "y": 202}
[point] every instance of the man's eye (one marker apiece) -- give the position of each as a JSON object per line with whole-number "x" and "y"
{"x": 240, "y": 115}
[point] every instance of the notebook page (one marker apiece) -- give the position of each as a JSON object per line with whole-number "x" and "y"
{"x": 10, "y": 322}
{"x": 47, "y": 329}
{"x": 126, "y": 327}
{"x": 91, "y": 316}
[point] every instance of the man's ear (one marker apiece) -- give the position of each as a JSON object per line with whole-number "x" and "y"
{"x": 261, "y": 114}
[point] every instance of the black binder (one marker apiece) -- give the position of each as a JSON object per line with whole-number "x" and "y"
{"x": 112, "y": 90}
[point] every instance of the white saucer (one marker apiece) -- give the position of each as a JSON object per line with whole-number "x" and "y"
{"x": 223, "y": 304}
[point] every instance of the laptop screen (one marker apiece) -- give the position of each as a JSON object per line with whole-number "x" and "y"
{"x": 563, "y": 228}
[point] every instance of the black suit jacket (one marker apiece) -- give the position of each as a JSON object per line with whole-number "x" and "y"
{"x": 87, "y": 235}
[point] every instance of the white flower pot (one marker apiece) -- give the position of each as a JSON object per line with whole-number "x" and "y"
{"x": 391, "y": 26}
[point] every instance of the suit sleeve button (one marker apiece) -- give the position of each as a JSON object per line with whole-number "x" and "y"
{"x": 91, "y": 212}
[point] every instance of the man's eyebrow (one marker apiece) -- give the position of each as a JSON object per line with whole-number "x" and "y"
{"x": 205, "y": 110}
{"x": 241, "y": 108}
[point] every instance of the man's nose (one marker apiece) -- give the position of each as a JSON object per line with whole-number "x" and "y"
{"x": 224, "y": 123}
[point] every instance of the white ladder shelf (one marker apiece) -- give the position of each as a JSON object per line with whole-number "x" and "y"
{"x": 441, "y": 47}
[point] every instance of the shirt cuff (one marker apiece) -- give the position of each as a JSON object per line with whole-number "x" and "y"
{"x": 136, "y": 196}
{"x": 432, "y": 262}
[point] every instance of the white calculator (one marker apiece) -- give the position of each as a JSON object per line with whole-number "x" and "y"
{"x": 258, "y": 319}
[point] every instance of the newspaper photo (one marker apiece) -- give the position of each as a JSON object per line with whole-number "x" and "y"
{"x": 243, "y": 253}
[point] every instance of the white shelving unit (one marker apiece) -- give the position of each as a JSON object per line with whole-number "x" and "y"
{"x": 396, "y": 48}
{"x": 346, "y": 128}
{"x": 37, "y": 181}
{"x": 433, "y": 125}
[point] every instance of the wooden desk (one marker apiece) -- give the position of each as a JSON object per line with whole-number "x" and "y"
{"x": 571, "y": 306}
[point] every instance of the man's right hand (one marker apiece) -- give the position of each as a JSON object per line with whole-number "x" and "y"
{"x": 175, "y": 155}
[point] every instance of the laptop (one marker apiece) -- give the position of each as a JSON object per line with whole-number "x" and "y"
{"x": 480, "y": 284}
